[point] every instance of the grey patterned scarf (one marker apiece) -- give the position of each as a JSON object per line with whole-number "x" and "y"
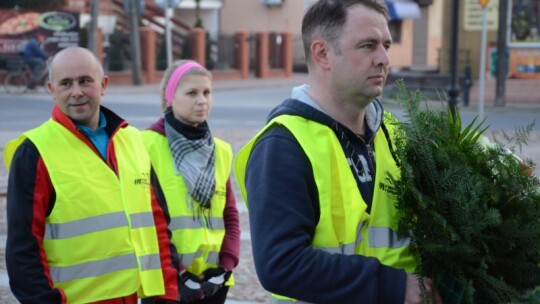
{"x": 195, "y": 160}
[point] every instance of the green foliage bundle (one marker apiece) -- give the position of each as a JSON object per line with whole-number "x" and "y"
{"x": 471, "y": 209}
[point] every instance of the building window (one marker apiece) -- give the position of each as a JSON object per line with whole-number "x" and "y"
{"x": 395, "y": 30}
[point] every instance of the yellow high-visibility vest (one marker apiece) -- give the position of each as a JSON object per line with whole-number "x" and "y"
{"x": 198, "y": 239}
{"x": 100, "y": 238}
{"x": 342, "y": 208}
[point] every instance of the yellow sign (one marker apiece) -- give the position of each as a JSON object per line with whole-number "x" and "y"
{"x": 472, "y": 20}
{"x": 483, "y": 3}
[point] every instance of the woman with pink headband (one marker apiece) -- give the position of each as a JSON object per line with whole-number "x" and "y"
{"x": 192, "y": 182}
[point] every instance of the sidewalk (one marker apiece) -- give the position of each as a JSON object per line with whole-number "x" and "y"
{"x": 518, "y": 92}
{"x": 236, "y": 84}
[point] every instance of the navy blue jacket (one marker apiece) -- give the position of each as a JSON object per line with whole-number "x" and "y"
{"x": 32, "y": 49}
{"x": 284, "y": 211}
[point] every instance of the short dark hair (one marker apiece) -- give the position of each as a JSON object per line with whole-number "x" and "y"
{"x": 327, "y": 17}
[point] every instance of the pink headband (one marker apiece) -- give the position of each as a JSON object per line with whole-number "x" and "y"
{"x": 175, "y": 78}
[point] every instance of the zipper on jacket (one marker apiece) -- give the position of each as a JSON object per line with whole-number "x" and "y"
{"x": 371, "y": 156}
{"x": 369, "y": 153}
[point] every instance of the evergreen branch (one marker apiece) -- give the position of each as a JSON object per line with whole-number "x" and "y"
{"x": 472, "y": 212}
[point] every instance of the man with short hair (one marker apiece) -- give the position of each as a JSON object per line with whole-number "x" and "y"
{"x": 323, "y": 221}
{"x": 84, "y": 225}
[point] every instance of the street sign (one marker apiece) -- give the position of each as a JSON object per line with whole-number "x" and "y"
{"x": 472, "y": 17}
{"x": 483, "y": 3}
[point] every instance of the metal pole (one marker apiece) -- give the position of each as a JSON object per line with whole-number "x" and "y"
{"x": 482, "y": 64}
{"x": 198, "y": 12}
{"x": 168, "y": 36}
{"x": 453, "y": 90}
{"x": 135, "y": 43}
{"x": 500, "y": 87}
{"x": 92, "y": 32}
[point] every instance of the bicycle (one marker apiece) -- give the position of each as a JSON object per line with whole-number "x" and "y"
{"x": 19, "y": 76}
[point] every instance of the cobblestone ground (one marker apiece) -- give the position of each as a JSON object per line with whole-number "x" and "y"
{"x": 6, "y": 297}
{"x": 247, "y": 286}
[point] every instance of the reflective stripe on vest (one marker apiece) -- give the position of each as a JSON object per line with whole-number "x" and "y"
{"x": 205, "y": 233}
{"x": 97, "y": 223}
{"x": 101, "y": 230}
{"x": 188, "y": 258}
{"x": 386, "y": 237}
{"x": 344, "y": 222}
{"x": 191, "y": 222}
{"x": 378, "y": 237}
{"x": 102, "y": 267}
{"x": 347, "y": 249}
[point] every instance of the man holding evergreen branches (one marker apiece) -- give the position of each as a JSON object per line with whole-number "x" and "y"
{"x": 322, "y": 216}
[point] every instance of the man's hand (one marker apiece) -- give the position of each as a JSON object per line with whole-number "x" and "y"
{"x": 190, "y": 287}
{"x": 413, "y": 293}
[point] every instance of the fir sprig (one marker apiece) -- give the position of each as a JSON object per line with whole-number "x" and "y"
{"x": 472, "y": 209}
